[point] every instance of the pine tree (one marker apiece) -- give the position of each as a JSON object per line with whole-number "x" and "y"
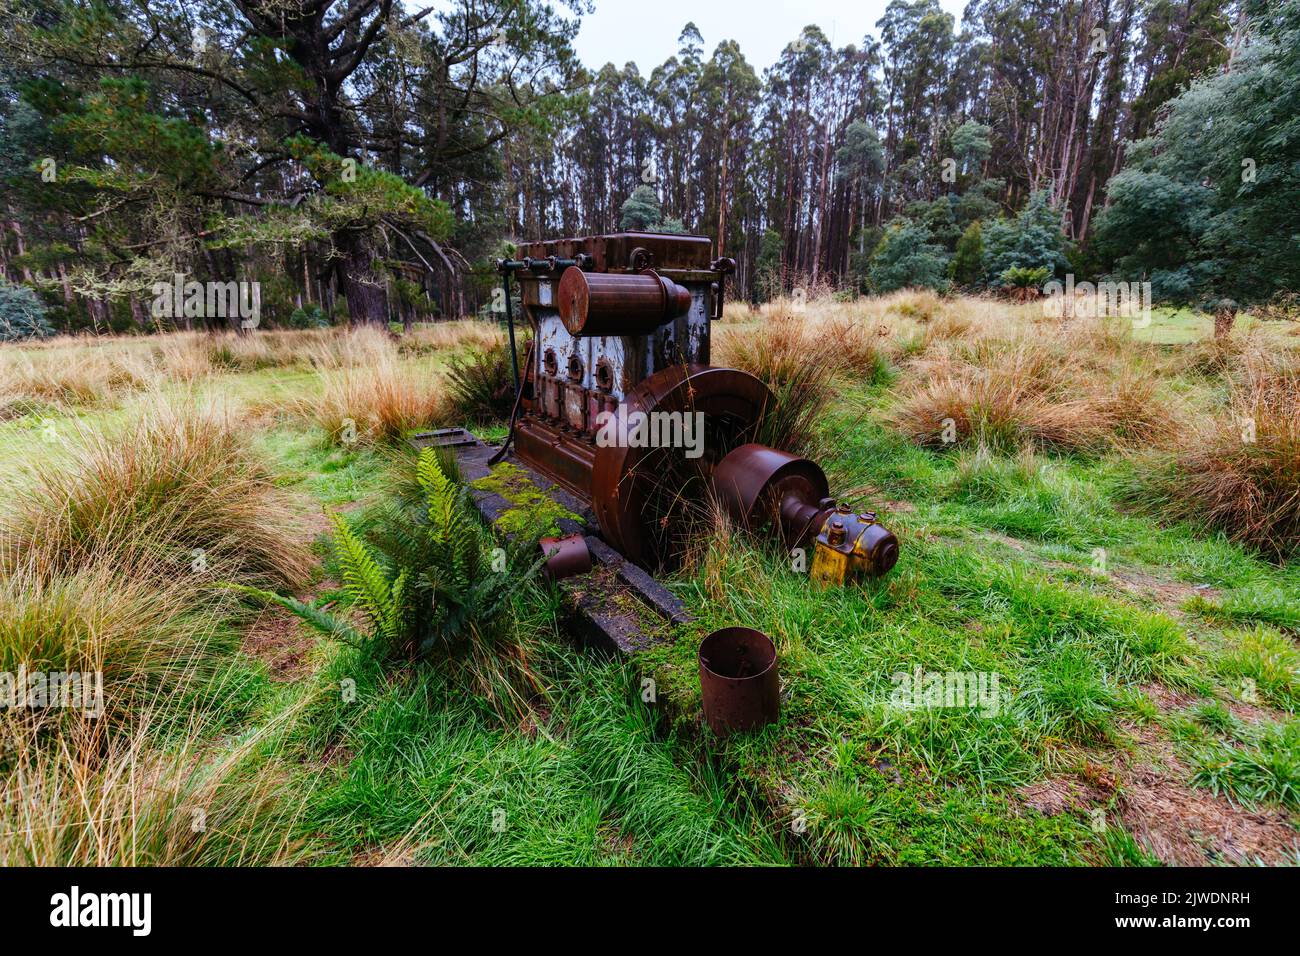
{"x": 967, "y": 266}
{"x": 640, "y": 212}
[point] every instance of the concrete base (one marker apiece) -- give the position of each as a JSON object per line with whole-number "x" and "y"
{"x": 617, "y": 606}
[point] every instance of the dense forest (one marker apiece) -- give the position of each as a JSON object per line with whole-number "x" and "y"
{"x": 366, "y": 161}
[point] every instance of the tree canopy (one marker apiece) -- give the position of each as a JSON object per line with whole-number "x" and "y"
{"x": 369, "y": 160}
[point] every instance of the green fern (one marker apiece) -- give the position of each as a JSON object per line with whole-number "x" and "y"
{"x": 366, "y": 582}
{"x": 323, "y": 621}
{"x": 421, "y": 575}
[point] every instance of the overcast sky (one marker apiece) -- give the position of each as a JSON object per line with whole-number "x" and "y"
{"x": 646, "y": 30}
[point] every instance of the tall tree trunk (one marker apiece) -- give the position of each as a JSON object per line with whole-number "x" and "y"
{"x": 363, "y": 284}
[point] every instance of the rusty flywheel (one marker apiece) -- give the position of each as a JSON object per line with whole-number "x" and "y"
{"x": 643, "y": 496}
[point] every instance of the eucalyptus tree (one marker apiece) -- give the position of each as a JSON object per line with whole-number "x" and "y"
{"x": 1206, "y": 207}
{"x": 289, "y": 119}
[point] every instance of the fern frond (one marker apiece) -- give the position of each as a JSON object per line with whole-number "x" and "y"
{"x": 322, "y": 621}
{"x": 429, "y": 473}
{"x": 397, "y": 617}
{"x": 362, "y": 576}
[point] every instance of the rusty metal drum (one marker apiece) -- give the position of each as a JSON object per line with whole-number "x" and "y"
{"x": 740, "y": 685}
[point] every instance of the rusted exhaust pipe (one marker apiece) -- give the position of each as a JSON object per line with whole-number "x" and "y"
{"x": 565, "y": 557}
{"x": 739, "y": 681}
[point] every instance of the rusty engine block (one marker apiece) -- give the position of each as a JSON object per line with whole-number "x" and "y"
{"x": 619, "y": 360}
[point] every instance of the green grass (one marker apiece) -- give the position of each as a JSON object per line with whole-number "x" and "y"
{"x": 1171, "y": 326}
{"x": 1027, "y": 568}
{"x": 999, "y": 574}
{"x": 1265, "y": 770}
{"x": 434, "y": 779}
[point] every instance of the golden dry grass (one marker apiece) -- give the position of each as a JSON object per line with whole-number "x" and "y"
{"x": 68, "y": 372}
{"x": 377, "y": 403}
{"x": 178, "y": 487}
{"x": 1033, "y": 388}
{"x": 972, "y": 370}
{"x": 1238, "y": 470}
{"x": 798, "y": 351}
{"x": 151, "y": 636}
{"x": 1008, "y": 376}
{"x": 99, "y": 575}
{"x": 101, "y": 798}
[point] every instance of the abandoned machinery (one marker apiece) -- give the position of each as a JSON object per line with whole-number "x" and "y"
{"x": 618, "y": 404}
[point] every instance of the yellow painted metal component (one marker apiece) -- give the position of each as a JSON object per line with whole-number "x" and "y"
{"x": 851, "y": 547}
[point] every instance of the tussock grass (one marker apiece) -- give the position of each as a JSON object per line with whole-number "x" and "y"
{"x": 101, "y": 799}
{"x": 70, "y": 372}
{"x": 799, "y": 356}
{"x": 1053, "y": 391}
{"x": 778, "y": 355}
{"x": 377, "y": 403}
{"x": 998, "y": 541}
{"x": 1269, "y": 660}
{"x": 457, "y": 334}
{"x": 99, "y": 575}
{"x": 1239, "y": 471}
{"x": 176, "y": 488}
{"x": 152, "y": 642}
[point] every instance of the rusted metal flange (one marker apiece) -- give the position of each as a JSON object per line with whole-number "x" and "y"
{"x": 759, "y": 485}
{"x": 740, "y": 684}
{"x": 565, "y": 557}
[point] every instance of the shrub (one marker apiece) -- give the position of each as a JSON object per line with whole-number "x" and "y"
{"x": 311, "y": 317}
{"x": 641, "y": 210}
{"x": 22, "y": 314}
{"x": 1031, "y": 240}
{"x": 967, "y": 266}
{"x": 427, "y": 585}
{"x": 481, "y": 386}
{"x": 906, "y": 258}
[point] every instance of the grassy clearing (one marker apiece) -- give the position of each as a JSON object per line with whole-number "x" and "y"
{"x": 177, "y": 486}
{"x": 1145, "y": 656}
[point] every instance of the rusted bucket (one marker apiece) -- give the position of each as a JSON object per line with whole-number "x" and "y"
{"x": 739, "y": 681}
